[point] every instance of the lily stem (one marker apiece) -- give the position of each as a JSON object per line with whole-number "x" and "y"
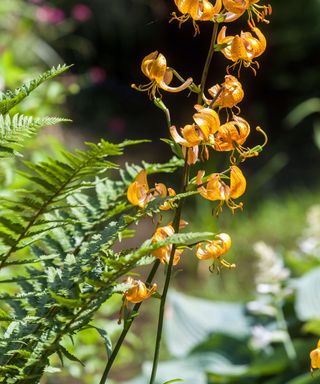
{"x": 127, "y": 324}
{"x": 208, "y": 61}
{"x": 175, "y": 224}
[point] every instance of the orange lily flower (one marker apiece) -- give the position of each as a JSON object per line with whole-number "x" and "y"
{"x": 207, "y": 123}
{"x": 236, "y": 8}
{"x": 228, "y": 95}
{"x": 138, "y": 292}
{"x": 215, "y": 249}
{"x": 315, "y": 357}
{"x": 243, "y": 49}
{"x": 232, "y": 135}
{"x": 140, "y": 194}
{"x": 217, "y": 189}
{"x": 154, "y": 66}
{"x": 163, "y": 253}
{"x": 198, "y": 10}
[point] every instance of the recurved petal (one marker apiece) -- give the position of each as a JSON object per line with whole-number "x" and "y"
{"x": 207, "y": 120}
{"x": 208, "y": 10}
{"x": 160, "y": 190}
{"x": 202, "y": 251}
{"x": 179, "y": 139}
{"x": 261, "y": 47}
{"x": 164, "y": 85}
{"x": 236, "y": 6}
{"x": 147, "y": 63}
{"x": 188, "y": 6}
{"x": 237, "y": 182}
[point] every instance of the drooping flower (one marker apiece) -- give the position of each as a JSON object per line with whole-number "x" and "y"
{"x": 214, "y": 249}
{"x": 206, "y": 124}
{"x": 140, "y": 194}
{"x": 243, "y": 48}
{"x": 163, "y": 253}
{"x": 217, "y": 189}
{"x": 226, "y": 95}
{"x": 138, "y": 292}
{"x": 232, "y": 135}
{"x": 315, "y": 357}
{"x": 154, "y": 67}
{"x": 236, "y": 8}
{"x": 197, "y": 10}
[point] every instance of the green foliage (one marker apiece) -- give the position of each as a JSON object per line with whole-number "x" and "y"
{"x": 16, "y": 130}
{"x": 57, "y": 242}
{"x": 10, "y": 99}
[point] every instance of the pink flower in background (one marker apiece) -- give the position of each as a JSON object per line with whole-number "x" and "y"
{"x": 36, "y": 1}
{"x": 81, "y": 12}
{"x": 50, "y": 15}
{"x": 117, "y": 125}
{"x": 97, "y": 75}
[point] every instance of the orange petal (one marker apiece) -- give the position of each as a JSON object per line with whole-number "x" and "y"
{"x": 238, "y": 182}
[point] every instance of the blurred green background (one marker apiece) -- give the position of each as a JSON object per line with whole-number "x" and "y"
{"x": 106, "y": 41}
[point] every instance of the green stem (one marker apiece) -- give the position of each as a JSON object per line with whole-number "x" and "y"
{"x": 208, "y": 61}
{"x": 176, "y": 220}
{"x": 127, "y": 324}
{"x": 175, "y": 224}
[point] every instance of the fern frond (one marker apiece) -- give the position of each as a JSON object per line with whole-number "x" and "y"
{"x": 52, "y": 182}
{"x": 15, "y": 130}
{"x": 10, "y": 99}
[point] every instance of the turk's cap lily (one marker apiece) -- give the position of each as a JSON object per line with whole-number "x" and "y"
{"x": 232, "y": 134}
{"x": 228, "y": 95}
{"x": 217, "y": 189}
{"x": 154, "y": 67}
{"x": 207, "y": 122}
{"x": 215, "y": 249}
{"x": 198, "y": 10}
{"x": 243, "y": 48}
{"x": 138, "y": 292}
{"x": 140, "y": 194}
{"x": 236, "y": 8}
{"x": 164, "y": 253}
{"x": 315, "y": 357}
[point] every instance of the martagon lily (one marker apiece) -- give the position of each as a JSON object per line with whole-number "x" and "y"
{"x": 243, "y": 48}
{"x": 217, "y": 189}
{"x": 226, "y": 95}
{"x": 214, "y": 249}
{"x": 197, "y": 10}
{"x": 154, "y": 67}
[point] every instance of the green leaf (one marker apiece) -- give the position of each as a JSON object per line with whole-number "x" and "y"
{"x": 14, "y": 131}
{"x": 10, "y": 99}
{"x": 307, "y": 299}
{"x": 69, "y": 355}
{"x": 64, "y": 301}
{"x": 201, "y": 318}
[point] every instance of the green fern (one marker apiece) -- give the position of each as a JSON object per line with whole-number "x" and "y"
{"x": 29, "y": 215}
{"x": 10, "y": 99}
{"x": 14, "y": 131}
